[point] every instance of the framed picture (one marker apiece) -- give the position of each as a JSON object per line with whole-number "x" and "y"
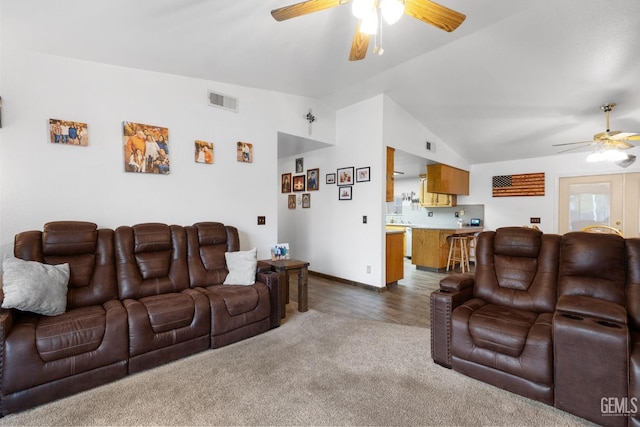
{"x": 331, "y": 178}
{"x": 204, "y": 152}
{"x": 300, "y": 165}
{"x": 292, "y": 201}
{"x": 345, "y": 176}
{"x": 313, "y": 183}
{"x": 245, "y": 152}
{"x": 306, "y": 200}
{"x": 146, "y": 148}
{"x": 298, "y": 183}
{"x": 68, "y": 132}
{"x": 362, "y": 174}
{"x": 286, "y": 183}
{"x": 344, "y": 193}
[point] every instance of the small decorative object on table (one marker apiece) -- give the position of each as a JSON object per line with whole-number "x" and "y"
{"x": 280, "y": 251}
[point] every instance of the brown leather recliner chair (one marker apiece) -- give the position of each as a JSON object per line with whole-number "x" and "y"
{"x": 238, "y": 311}
{"x": 496, "y": 326}
{"x": 591, "y": 337}
{"x": 632, "y": 247}
{"x": 39, "y": 364}
{"x": 167, "y": 319}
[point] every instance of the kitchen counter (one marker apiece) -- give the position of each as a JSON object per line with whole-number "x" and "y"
{"x": 395, "y": 231}
{"x": 430, "y": 247}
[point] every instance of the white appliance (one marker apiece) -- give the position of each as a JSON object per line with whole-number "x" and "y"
{"x": 407, "y": 235}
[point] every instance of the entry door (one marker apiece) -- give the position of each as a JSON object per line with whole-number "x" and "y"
{"x": 599, "y": 199}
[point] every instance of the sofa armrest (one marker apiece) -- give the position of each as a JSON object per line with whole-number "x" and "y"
{"x": 271, "y": 279}
{"x": 457, "y": 282}
{"x": 584, "y": 306}
{"x": 6, "y": 323}
{"x": 262, "y": 267}
{"x": 442, "y": 304}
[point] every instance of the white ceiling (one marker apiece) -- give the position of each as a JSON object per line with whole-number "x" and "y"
{"x": 515, "y": 78}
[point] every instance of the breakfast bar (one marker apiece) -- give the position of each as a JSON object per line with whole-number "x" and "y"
{"x": 430, "y": 247}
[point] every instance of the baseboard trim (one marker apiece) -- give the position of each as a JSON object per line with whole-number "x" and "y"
{"x": 348, "y": 282}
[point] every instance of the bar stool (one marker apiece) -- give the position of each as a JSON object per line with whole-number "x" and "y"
{"x": 472, "y": 240}
{"x": 458, "y": 252}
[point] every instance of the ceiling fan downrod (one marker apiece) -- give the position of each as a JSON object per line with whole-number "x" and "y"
{"x": 607, "y": 108}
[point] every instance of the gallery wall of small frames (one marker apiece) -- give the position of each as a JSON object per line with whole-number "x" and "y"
{"x": 145, "y": 147}
{"x": 303, "y": 182}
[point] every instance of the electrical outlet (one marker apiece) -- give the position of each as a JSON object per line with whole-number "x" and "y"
{"x": 262, "y": 220}
{"x": 457, "y": 214}
{"x": 368, "y": 269}
{"x": 535, "y": 220}
{"x": 430, "y": 214}
{"x": 364, "y": 219}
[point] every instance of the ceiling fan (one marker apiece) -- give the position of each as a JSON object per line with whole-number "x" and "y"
{"x": 367, "y": 13}
{"x": 609, "y": 140}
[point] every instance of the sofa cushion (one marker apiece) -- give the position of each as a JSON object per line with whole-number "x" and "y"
{"x": 501, "y": 329}
{"x": 242, "y": 267}
{"x": 35, "y": 287}
{"x": 76, "y": 332}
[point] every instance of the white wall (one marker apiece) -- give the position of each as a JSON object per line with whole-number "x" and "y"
{"x": 508, "y": 211}
{"x": 402, "y": 131}
{"x": 43, "y": 182}
{"x": 331, "y": 234}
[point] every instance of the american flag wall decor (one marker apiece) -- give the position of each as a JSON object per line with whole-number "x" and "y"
{"x": 527, "y": 184}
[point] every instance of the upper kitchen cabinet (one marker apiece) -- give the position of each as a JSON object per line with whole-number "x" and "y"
{"x": 447, "y": 180}
{"x": 435, "y": 200}
{"x": 390, "y": 166}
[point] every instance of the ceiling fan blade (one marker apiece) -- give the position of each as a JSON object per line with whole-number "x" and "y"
{"x": 360, "y": 44}
{"x": 434, "y": 14}
{"x": 572, "y": 143}
{"x": 304, "y": 8}
{"x": 571, "y": 149}
{"x": 624, "y": 136}
{"x": 620, "y": 145}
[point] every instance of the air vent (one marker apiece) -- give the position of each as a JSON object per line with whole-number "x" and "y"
{"x": 431, "y": 146}
{"x": 225, "y": 102}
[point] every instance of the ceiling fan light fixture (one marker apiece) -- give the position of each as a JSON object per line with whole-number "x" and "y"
{"x": 392, "y": 10}
{"x": 596, "y": 156}
{"x": 362, "y": 8}
{"x": 370, "y": 23}
{"x": 614, "y": 155}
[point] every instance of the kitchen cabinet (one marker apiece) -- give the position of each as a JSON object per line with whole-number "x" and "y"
{"x": 395, "y": 256}
{"x": 390, "y": 166}
{"x": 447, "y": 179}
{"x": 403, "y": 229}
{"x": 435, "y": 200}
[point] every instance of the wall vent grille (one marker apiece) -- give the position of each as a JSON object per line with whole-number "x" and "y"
{"x": 225, "y": 102}
{"x": 430, "y": 146}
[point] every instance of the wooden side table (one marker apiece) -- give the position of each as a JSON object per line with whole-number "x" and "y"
{"x": 283, "y": 268}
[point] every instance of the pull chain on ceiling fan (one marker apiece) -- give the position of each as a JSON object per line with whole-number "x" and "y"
{"x": 366, "y": 11}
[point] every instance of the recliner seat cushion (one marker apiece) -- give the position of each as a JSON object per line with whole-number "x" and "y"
{"x": 80, "y": 331}
{"x": 531, "y": 359}
{"x": 501, "y": 329}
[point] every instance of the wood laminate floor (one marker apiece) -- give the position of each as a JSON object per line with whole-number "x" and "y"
{"x": 406, "y": 303}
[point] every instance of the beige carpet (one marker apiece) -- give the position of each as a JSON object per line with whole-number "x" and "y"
{"x": 315, "y": 369}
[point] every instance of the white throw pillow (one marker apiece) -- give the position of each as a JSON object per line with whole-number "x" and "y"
{"x": 35, "y": 287}
{"x": 242, "y": 267}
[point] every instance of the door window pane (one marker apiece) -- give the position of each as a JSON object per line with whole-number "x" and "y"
{"x": 589, "y": 204}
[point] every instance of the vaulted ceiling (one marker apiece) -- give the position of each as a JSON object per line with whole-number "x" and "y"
{"x": 515, "y": 78}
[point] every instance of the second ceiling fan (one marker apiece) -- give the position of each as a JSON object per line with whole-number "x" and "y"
{"x": 367, "y": 13}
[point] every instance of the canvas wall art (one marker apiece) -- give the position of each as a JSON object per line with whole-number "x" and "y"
{"x": 146, "y": 148}
{"x": 204, "y": 152}
{"x": 68, "y": 132}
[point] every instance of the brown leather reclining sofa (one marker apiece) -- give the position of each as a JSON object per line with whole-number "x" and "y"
{"x": 552, "y": 318}
{"x": 137, "y": 297}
